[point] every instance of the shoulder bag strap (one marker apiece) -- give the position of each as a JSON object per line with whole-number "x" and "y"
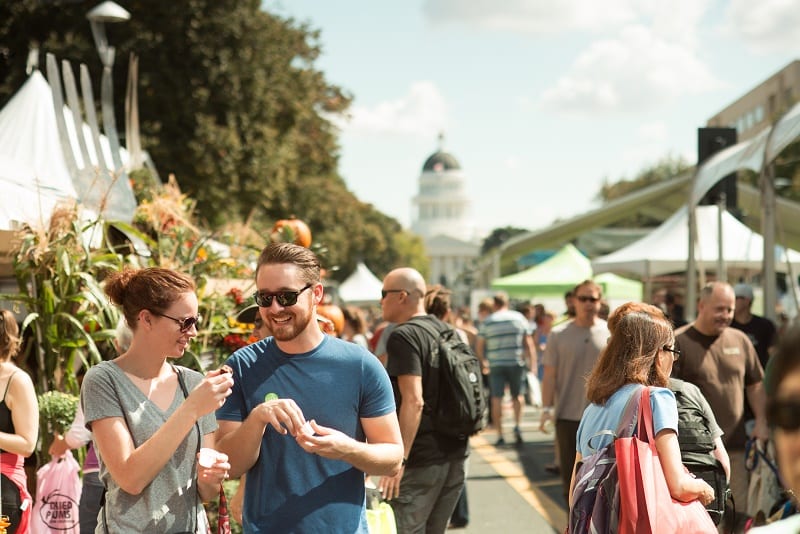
{"x": 644, "y": 429}
{"x": 182, "y": 384}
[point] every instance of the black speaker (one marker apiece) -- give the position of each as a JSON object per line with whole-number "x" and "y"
{"x": 709, "y": 142}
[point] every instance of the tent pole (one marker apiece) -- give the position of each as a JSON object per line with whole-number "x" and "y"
{"x": 768, "y": 232}
{"x": 691, "y": 268}
{"x": 722, "y": 272}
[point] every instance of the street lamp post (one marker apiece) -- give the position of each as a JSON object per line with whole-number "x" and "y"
{"x": 98, "y": 17}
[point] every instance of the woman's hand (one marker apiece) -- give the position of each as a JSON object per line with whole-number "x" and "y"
{"x": 706, "y": 493}
{"x": 213, "y": 474}
{"x": 211, "y": 392}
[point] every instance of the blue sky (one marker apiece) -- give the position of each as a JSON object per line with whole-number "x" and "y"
{"x": 539, "y": 100}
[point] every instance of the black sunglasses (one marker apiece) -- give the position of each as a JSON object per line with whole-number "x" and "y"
{"x": 675, "y": 352}
{"x": 584, "y": 298}
{"x": 385, "y": 292}
{"x": 185, "y": 324}
{"x": 284, "y": 298}
{"x": 784, "y": 414}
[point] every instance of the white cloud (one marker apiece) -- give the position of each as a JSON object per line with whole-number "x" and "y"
{"x": 420, "y": 111}
{"x": 532, "y": 16}
{"x": 765, "y": 25}
{"x": 636, "y": 71}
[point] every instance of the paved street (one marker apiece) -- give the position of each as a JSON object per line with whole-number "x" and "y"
{"x": 508, "y": 487}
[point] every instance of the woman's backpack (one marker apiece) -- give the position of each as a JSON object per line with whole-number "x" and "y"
{"x": 595, "y": 497}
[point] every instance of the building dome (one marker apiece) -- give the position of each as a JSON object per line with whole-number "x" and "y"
{"x": 441, "y": 161}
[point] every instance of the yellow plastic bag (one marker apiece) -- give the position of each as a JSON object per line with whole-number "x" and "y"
{"x": 380, "y": 520}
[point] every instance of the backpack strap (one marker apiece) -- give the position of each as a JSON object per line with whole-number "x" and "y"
{"x": 627, "y": 422}
{"x": 427, "y": 326}
{"x": 600, "y": 434}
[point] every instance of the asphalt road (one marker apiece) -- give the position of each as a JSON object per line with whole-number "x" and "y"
{"x": 508, "y": 488}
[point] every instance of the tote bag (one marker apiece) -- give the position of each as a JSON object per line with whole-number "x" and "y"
{"x": 645, "y": 503}
{"x": 58, "y": 492}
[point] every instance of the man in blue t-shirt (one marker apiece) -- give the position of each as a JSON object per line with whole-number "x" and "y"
{"x": 309, "y": 414}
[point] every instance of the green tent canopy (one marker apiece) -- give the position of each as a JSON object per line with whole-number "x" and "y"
{"x": 562, "y": 272}
{"x": 553, "y": 277}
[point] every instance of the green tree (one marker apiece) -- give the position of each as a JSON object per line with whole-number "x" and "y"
{"x": 499, "y": 236}
{"x": 232, "y": 104}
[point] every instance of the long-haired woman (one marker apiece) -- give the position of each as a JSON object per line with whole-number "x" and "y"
{"x": 640, "y": 352}
{"x": 19, "y": 426}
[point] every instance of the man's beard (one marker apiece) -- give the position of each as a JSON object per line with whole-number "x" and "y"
{"x": 290, "y": 329}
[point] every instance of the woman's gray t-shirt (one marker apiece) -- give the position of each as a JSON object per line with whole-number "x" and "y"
{"x": 170, "y": 503}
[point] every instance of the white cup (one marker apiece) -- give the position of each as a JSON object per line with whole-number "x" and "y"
{"x": 208, "y": 457}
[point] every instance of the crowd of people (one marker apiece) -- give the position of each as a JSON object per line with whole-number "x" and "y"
{"x": 320, "y": 408}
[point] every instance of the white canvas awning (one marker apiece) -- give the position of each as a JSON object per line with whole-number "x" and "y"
{"x": 665, "y": 249}
{"x": 32, "y": 163}
{"x": 361, "y": 287}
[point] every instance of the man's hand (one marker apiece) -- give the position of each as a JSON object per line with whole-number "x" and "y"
{"x": 761, "y": 430}
{"x": 324, "y": 441}
{"x": 284, "y": 415}
{"x": 390, "y": 486}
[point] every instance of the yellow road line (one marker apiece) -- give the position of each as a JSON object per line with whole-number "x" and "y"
{"x": 516, "y": 478}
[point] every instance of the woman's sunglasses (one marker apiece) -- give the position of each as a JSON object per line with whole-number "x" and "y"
{"x": 185, "y": 324}
{"x": 784, "y": 414}
{"x": 284, "y": 298}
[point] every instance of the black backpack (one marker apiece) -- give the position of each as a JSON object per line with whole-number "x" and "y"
{"x": 460, "y": 404}
{"x": 696, "y": 444}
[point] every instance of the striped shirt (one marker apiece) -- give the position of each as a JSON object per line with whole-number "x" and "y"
{"x": 504, "y": 334}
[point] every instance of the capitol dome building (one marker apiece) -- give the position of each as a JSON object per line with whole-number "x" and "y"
{"x": 441, "y": 216}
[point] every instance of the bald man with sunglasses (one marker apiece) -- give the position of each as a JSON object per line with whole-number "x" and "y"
{"x": 424, "y": 493}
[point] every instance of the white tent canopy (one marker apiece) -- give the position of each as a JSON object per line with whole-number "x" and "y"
{"x": 33, "y": 169}
{"x": 665, "y": 249}
{"x": 361, "y": 287}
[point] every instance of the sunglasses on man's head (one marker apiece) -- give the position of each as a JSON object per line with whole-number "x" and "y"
{"x": 784, "y": 414}
{"x": 284, "y": 298}
{"x": 586, "y": 298}
{"x": 185, "y": 324}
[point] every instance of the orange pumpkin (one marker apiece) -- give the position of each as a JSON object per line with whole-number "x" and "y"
{"x": 334, "y": 313}
{"x": 291, "y": 230}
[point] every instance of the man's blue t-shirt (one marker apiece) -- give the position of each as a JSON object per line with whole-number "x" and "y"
{"x": 336, "y": 384}
{"x": 598, "y": 418}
